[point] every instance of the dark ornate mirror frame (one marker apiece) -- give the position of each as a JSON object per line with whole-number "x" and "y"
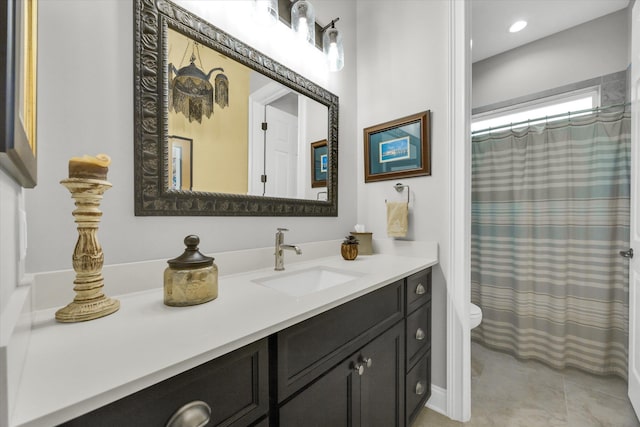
{"x": 152, "y": 197}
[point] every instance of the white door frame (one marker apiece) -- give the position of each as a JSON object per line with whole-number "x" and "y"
{"x": 633, "y": 390}
{"x": 459, "y": 268}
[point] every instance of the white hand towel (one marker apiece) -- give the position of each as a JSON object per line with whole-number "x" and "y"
{"x": 397, "y": 219}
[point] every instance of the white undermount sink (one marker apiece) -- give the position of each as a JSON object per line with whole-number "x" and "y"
{"x": 303, "y": 282}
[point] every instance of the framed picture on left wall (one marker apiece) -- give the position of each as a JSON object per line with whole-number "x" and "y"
{"x": 18, "y": 76}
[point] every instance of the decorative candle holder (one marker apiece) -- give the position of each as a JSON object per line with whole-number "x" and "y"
{"x": 90, "y": 302}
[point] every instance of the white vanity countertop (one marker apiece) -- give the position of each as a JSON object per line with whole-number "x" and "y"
{"x": 71, "y": 369}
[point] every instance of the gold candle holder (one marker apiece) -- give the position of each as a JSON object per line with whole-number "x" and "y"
{"x": 90, "y": 302}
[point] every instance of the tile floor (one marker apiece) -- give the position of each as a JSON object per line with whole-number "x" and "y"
{"x": 506, "y": 392}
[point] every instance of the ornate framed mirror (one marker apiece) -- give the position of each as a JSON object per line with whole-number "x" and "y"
{"x": 232, "y": 172}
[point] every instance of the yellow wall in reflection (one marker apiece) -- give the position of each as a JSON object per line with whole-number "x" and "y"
{"x": 220, "y": 143}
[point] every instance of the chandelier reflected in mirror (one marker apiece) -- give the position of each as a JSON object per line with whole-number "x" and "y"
{"x": 190, "y": 90}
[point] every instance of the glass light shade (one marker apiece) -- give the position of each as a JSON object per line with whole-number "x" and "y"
{"x": 333, "y": 48}
{"x": 265, "y": 12}
{"x": 303, "y": 20}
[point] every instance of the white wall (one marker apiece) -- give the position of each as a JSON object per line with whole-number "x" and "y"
{"x": 590, "y": 50}
{"x": 85, "y": 106}
{"x": 401, "y": 72}
{"x": 10, "y": 265}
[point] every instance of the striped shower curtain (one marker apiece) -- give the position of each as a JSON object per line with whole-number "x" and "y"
{"x": 550, "y": 212}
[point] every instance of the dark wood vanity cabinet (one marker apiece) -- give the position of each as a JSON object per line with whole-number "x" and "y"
{"x": 307, "y": 350}
{"x": 363, "y": 390}
{"x": 364, "y": 363}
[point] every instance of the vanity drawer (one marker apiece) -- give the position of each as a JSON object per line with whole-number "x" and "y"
{"x": 418, "y": 289}
{"x": 418, "y": 387}
{"x": 418, "y": 333}
{"x": 307, "y": 350}
{"x": 235, "y": 386}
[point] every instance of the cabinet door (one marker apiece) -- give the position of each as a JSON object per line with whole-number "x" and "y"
{"x": 333, "y": 400}
{"x": 382, "y": 384}
{"x": 345, "y": 396}
{"x": 309, "y": 349}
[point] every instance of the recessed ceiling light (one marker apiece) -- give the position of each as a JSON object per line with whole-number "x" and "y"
{"x": 517, "y": 26}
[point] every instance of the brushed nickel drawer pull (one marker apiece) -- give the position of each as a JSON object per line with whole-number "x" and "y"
{"x": 359, "y": 368}
{"x": 420, "y": 334}
{"x": 420, "y": 290}
{"x": 419, "y": 388}
{"x": 192, "y": 414}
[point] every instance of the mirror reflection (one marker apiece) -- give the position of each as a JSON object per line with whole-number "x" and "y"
{"x": 233, "y": 130}
{"x": 198, "y": 114}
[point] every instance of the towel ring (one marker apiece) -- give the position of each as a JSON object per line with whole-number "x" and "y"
{"x": 400, "y": 188}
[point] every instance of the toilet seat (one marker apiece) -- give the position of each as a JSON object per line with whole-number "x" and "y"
{"x": 475, "y": 315}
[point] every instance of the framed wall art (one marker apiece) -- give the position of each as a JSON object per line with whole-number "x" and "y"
{"x": 18, "y": 51}
{"x": 180, "y": 163}
{"x": 399, "y": 148}
{"x": 319, "y": 164}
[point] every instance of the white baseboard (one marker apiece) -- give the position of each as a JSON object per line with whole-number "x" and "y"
{"x": 438, "y": 400}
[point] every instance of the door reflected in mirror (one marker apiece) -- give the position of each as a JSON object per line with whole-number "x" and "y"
{"x": 218, "y": 140}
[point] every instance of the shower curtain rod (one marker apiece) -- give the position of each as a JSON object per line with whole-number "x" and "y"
{"x": 555, "y": 116}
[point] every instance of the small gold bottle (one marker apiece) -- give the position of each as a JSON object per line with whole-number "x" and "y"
{"x": 191, "y": 278}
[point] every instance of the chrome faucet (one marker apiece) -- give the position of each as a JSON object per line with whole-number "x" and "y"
{"x": 280, "y": 246}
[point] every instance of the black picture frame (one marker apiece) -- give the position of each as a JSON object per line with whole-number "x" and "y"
{"x": 319, "y": 159}
{"x": 400, "y": 148}
{"x": 18, "y": 49}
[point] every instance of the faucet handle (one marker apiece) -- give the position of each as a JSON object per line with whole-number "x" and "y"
{"x": 282, "y": 229}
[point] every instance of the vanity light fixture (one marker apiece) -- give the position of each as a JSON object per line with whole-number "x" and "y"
{"x": 303, "y": 20}
{"x": 517, "y": 26}
{"x": 190, "y": 91}
{"x": 266, "y": 12}
{"x": 332, "y": 46}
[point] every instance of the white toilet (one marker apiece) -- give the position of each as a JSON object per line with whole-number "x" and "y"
{"x": 475, "y": 315}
